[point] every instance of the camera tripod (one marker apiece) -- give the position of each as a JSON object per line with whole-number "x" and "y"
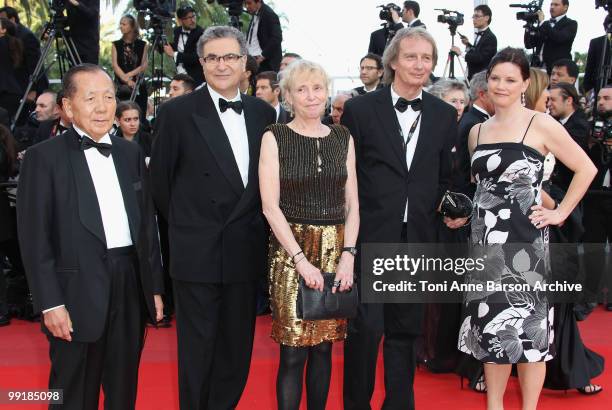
{"x": 65, "y": 51}
{"x": 450, "y": 61}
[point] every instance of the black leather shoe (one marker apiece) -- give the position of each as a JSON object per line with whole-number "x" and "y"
{"x": 5, "y": 320}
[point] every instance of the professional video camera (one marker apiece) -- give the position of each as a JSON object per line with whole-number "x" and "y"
{"x": 234, "y": 10}
{"x": 606, "y": 4}
{"x": 163, "y": 9}
{"x": 602, "y": 130}
{"x": 57, "y": 6}
{"x": 530, "y": 16}
{"x": 385, "y": 12}
{"x": 453, "y": 18}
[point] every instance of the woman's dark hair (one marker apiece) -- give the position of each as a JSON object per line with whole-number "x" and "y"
{"x": 15, "y": 45}
{"x": 7, "y": 144}
{"x": 124, "y": 106}
{"x": 511, "y": 55}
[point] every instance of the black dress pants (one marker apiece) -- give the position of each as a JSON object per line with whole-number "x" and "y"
{"x": 215, "y": 328}
{"x": 401, "y": 324}
{"x": 112, "y": 361}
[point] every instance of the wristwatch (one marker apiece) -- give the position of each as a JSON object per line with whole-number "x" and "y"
{"x": 350, "y": 249}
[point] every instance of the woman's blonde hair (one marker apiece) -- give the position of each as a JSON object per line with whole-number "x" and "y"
{"x": 538, "y": 82}
{"x": 297, "y": 69}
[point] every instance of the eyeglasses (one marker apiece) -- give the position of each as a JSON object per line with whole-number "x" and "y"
{"x": 477, "y": 16}
{"x": 189, "y": 17}
{"x": 368, "y": 68}
{"x": 230, "y": 58}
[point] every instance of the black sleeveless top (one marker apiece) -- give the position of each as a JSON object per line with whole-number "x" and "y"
{"x": 129, "y": 55}
{"x": 312, "y": 174}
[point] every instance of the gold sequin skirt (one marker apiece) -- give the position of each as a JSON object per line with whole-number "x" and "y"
{"x": 322, "y": 245}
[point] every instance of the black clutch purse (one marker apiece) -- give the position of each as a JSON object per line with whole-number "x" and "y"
{"x": 313, "y": 304}
{"x": 456, "y": 205}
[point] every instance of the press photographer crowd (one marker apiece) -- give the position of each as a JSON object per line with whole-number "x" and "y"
{"x": 237, "y": 186}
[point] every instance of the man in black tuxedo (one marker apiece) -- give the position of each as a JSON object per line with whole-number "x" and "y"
{"x": 264, "y": 35}
{"x": 54, "y": 127}
{"x": 184, "y": 45}
{"x": 267, "y": 89}
{"x": 564, "y": 71}
{"x": 593, "y": 63}
{"x": 598, "y": 206}
{"x": 89, "y": 245}
{"x": 403, "y": 139}
{"x": 479, "y": 54}
{"x": 370, "y": 73}
{"x": 84, "y": 22}
{"x": 379, "y": 38}
{"x": 410, "y": 15}
{"x": 563, "y": 105}
{"x": 553, "y": 39}
{"x": 205, "y": 183}
{"x": 481, "y": 110}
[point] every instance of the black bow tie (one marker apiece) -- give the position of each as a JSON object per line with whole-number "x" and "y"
{"x": 60, "y": 129}
{"x": 103, "y": 148}
{"x": 186, "y": 32}
{"x": 402, "y": 104}
{"x": 234, "y": 105}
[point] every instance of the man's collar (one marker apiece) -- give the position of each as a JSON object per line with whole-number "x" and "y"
{"x": 558, "y": 18}
{"x": 105, "y": 139}
{"x": 564, "y": 120}
{"x": 215, "y": 95}
{"x": 482, "y": 30}
{"x": 482, "y": 110}
{"x": 395, "y": 96}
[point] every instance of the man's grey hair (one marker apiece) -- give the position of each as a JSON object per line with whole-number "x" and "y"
{"x": 392, "y": 51}
{"x": 216, "y": 32}
{"x": 443, "y": 87}
{"x": 478, "y": 84}
{"x": 346, "y": 94}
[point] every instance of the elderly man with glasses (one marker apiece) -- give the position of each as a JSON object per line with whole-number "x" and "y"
{"x": 205, "y": 184}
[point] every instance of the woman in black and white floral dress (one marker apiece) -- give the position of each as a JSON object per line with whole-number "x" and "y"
{"x": 502, "y": 327}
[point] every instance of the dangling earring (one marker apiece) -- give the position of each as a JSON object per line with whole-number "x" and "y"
{"x": 523, "y": 102}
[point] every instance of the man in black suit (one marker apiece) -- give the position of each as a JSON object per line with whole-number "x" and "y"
{"x": 553, "y": 39}
{"x": 598, "y": 205}
{"x": 54, "y": 127}
{"x": 403, "y": 139}
{"x": 563, "y": 105}
{"x": 370, "y": 73}
{"x": 205, "y": 183}
{"x": 184, "y": 45}
{"x": 84, "y": 22}
{"x": 594, "y": 60}
{"x": 479, "y": 54}
{"x": 481, "y": 110}
{"x": 264, "y": 36}
{"x": 89, "y": 245}
{"x": 267, "y": 89}
{"x": 410, "y": 15}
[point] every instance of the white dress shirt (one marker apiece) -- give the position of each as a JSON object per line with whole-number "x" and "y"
{"x": 406, "y": 119}
{"x": 235, "y": 128}
{"x": 482, "y": 110}
{"x": 110, "y": 199}
{"x": 252, "y": 40}
{"x": 180, "y": 45}
{"x": 277, "y": 109}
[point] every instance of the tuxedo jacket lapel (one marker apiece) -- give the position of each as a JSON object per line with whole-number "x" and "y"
{"x": 391, "y": 128}
{"x": 127, "y": 190}
{"x": 89, "y": 209}
{"x": 211, "y": 129}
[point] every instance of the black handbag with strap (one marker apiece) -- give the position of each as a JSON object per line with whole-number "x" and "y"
{"x": 312, "y": 304}
{"x": 456, "y": 205}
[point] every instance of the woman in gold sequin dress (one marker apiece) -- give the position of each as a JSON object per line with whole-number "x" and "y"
{"x": 309, "y": 194}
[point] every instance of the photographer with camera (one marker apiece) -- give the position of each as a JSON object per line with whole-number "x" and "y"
{"x": 390, "y": 14}
{"x": 264, "y": 36}
{"x": 593, "y": 69}
{"x": 598, "y": 202}
{"x": 553, "y": 38}
{"x": 184, "y": 46}
{"x": 84, "y": 22}
{"x": 479, "y": 54}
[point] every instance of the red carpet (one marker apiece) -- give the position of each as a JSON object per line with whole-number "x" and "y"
{"x": 24, "y": 365}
